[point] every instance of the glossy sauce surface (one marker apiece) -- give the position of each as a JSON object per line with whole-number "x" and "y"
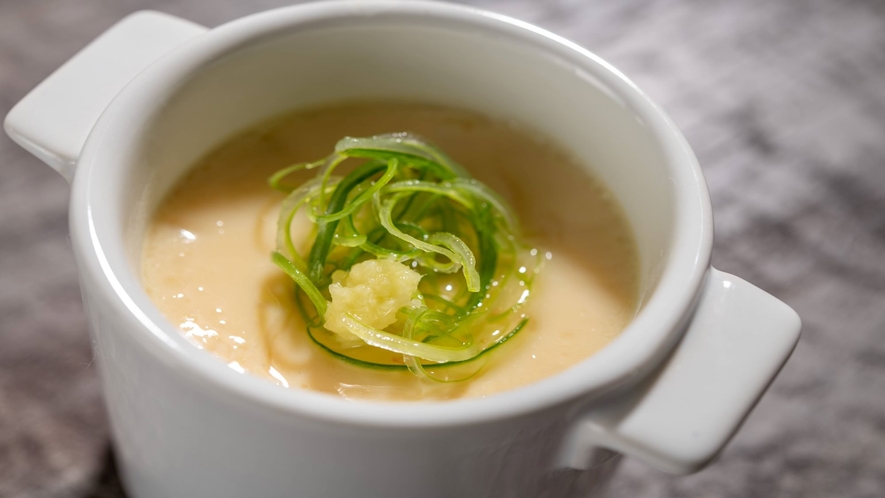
{"x": 206, "y": 258}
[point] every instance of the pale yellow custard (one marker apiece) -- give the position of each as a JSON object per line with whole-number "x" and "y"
{"x": 206, "y": 258}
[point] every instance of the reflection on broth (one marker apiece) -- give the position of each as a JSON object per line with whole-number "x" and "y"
{"x": 206, "y": 258}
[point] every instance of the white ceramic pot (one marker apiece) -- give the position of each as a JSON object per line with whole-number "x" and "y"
{"x": 126, "y": 116}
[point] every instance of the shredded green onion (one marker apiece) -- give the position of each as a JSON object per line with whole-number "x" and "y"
{"x": 408, "y": 201}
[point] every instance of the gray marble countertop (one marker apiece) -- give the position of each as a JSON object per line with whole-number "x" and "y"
{"x": 784, "y": 103}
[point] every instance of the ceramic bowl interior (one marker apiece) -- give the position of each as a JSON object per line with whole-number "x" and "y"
{"x": 428, "y": 64}
{"x": 499, "y": 68}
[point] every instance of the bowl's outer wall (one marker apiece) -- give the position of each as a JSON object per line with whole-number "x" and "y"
{"x": 185, "y": 425}
{"x": 178, "y": 436}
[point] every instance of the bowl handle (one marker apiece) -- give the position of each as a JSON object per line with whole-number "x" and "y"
{"x": 54, "y": 119}
{"x": 681, "y": 417}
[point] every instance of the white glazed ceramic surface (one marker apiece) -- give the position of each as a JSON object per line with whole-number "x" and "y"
{"x": 186, "y": 425}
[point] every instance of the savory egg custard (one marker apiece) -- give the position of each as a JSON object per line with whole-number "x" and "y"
{"x": 393, "y": 252}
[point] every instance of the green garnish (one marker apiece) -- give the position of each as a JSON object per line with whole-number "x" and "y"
{"x": 420, "y": 216}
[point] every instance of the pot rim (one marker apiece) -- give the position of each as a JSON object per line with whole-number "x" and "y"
{"x": 639, "y": 347}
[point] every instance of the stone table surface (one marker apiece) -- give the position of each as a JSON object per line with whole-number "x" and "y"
{"x": 784, "y": 103}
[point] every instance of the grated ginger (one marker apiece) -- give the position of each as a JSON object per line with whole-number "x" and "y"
{"x": 372, "y": 291}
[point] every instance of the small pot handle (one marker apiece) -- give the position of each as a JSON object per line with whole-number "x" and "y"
{"x": 53, "y": 121}
{"x": 678, "y": 420}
